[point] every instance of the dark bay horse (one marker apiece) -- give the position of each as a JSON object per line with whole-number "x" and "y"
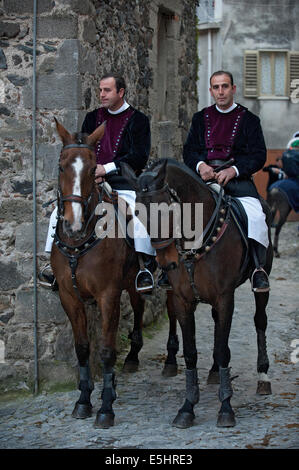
{"x": 210, "y": 274}
{"x": 86, "y": 266}
{"x": 279, "y": 203}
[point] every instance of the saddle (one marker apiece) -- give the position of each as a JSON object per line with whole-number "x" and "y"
{"x": 110, "y": 196}
{"x": 241, "y": 220}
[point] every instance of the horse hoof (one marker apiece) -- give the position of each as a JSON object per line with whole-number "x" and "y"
{"x": 213, "y": 377}
{"x": 170, "y": 370}
{"x": 82, "y": 411}
{"x": 226, "y": 420}
{"x": 104, "y": 420}
{"x": 183, "y": 420}
{"x": 263, "y": 388}
{"x": 130, "y": 366}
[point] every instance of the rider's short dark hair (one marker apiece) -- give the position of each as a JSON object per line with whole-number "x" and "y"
{"x": 222, "y": 72}
{"x": 119, "y": 80}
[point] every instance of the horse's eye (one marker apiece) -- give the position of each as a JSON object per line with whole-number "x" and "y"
{"x": 61, "y": 169}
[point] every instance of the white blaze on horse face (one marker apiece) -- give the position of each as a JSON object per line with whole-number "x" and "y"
{"x": 77, "y": 208}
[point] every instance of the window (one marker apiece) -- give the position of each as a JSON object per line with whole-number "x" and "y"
{"x": 270, "y": 74}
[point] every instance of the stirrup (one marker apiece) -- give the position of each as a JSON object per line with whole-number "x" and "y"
{"x": 147, "y": 288}
{"x": 48, "y": 285}
{"x": 260, "y": 289}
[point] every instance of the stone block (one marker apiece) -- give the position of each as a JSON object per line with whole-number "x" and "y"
{"x": 16, "y": 210}
{"x": 55, "y": 92}
{"x": 17, "y": 80}
{"x": 166, "y": 131}
{"x": 9, "y": 30}
{"x": 49, "y": 155}
{"x": 21, "y": 7}
{"x": 68, "y": 57}
{"x": 3, "y": 63}
{"x": 64, "y": 346}
{"x": 89, "y": 32}
{"x": 24, "y": 236}
{"x": 54, "y": 373}
{"x": 49, "y": 309}
{"x": 20, "y": 345}
{"x": 10, "y": 278}
{"x": 64, "y": 27}
{"x": 82, "y": 8}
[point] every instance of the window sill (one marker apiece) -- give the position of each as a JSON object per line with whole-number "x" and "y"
{"x": 279, "y": 98}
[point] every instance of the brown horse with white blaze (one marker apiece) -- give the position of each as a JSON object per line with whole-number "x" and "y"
{"x": 86, "y": 266}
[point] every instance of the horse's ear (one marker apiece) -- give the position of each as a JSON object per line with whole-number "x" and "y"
{"x": 160, "y": 172}
{"x": 93, "y": 138}
{"x": 129, "y": 175}
{"x": 162, "y": 168}
{"x": 64, "y": 135}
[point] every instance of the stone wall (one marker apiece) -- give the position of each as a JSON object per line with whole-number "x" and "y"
{"x": 76, "y": 43}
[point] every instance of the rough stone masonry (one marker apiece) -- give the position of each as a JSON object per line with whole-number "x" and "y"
{"x": 153, "y": 44}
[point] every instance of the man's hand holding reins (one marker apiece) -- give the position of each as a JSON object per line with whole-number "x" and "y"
{"x": 100, "y": 172}
{"x": 224, "y": 176}
{"x": 206, "y": 172}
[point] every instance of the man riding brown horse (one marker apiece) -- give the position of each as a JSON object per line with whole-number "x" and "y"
{"x": 127, "y": 139}
{"x": 228, "y": 130}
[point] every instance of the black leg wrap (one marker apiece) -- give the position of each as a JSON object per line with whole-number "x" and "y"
{"x": 85, "y": 376}
{"x": 83, "y": 407}
{"x": 226, "y": 416}
{"x": 185, "y": 417}
{"x": 192, "y": 388}
{"x": 262, "y": 358}
{"x": 109, "y": 386}
{"x": 105, "y": 416}
{"x": 225, "y": 389}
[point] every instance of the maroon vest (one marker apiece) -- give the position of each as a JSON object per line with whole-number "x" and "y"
{"x": 108, "y": 146}
{"x": 221, "y": 130}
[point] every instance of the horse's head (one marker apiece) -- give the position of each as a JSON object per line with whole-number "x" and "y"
{"x": 76, "y": 180}
{"x": 150, "y": 183}
{"x": 158, "y": 200}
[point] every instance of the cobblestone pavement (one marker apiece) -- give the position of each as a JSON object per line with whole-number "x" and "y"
{"x": 147, "y": 403}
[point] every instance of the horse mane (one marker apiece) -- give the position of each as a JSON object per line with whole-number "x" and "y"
{"x": 171, "y": 162}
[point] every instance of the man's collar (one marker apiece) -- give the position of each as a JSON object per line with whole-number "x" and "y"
{"x": 121, "y": 109}
{"x": 228, "y": 110}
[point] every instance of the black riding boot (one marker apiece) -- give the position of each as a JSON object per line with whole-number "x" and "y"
{"x": 259, "y": 279}
{"x": 47, "y": 279}
{"x": 144, "y": 282}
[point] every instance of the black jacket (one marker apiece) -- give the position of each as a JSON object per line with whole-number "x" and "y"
{"x": 248, "y": 150}
{"x": 134, "y": 148}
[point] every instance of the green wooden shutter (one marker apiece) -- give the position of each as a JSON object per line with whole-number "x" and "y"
{"x": 250, "y": 81}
